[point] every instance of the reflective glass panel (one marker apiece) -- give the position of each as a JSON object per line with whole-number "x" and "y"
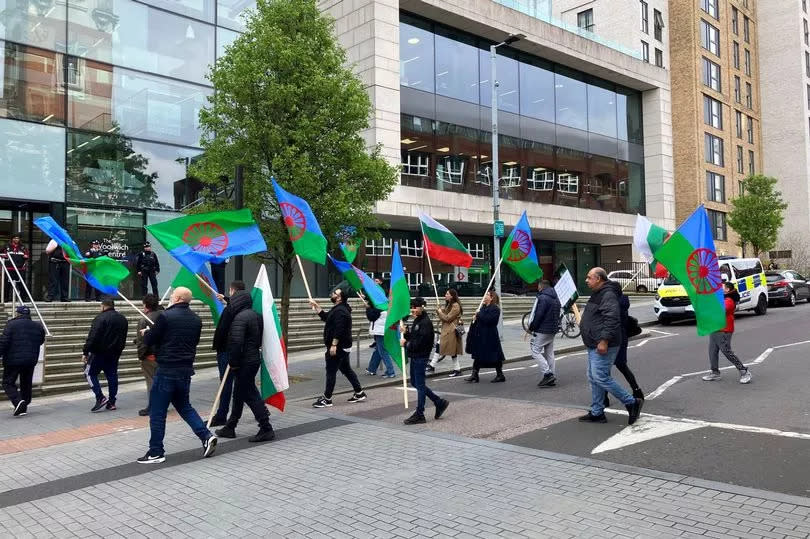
{"x": 198, "y": 9}
{"x": 32, "y": 161}
{"x": 230, "y": 13}
{"x": 508, "y": 81}
{"x": 224, "y": 38}
{"x": 30, "y": 81}
{"x": 457, "y": 69}
{"x": 536, "y": 92}
{"x": 39, "y": 23}
{"x": 601, "y": 111}
{"x": 416, "y": 58}
{"x": 572, "y": 102}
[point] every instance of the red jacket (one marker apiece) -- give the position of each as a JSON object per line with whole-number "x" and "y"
{"x": 730, "y": 308}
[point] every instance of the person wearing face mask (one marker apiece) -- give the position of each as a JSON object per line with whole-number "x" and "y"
{"x": 337, "y": 337}
{"x": 720, "y": 341}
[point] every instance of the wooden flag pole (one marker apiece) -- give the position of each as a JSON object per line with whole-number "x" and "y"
{"x": 486, "y": 290}
{"x": 208, "y": 286}
{"x": 304, "y": 277}
{"x": 433, "y": 278}
{"x": 166, "y": 293}
{"x": 218, "y": 395}
{"x": 404, "y": 367}
{"x": 576, "y": 312}
{"x": 140, "y": 312}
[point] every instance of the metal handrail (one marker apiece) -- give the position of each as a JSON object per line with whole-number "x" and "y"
{"x": 28, "y": 292}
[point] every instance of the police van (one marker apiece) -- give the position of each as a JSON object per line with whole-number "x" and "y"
{"x": 672, "y": 303}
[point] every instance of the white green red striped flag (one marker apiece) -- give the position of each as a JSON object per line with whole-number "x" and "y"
{"x": 648, "y": 238}
{"x": 442, "y": 245}
{"x": 274, "y": 380}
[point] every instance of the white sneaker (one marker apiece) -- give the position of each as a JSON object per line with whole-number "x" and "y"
{"x": 712, "y": 377}
{"x": 745, "y": 378}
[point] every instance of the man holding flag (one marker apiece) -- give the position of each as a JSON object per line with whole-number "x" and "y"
{"x": 418, "y": 343}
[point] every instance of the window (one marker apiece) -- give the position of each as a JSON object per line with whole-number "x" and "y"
{"x": 750, "y": 130}
{"x": 645, "y": 52}
{"x": 568, "y": 183}
{"x": 749, "y": 97}
{"x": 30, "y": 91}
{"x": 477, "y": 250}
{"x": 807, "y": 63}
{"x": 450, "y": 169}
{"x": 710, "y": 37}
{"x": 659, "y": 57}
{"x": 571, "y": 98}
{"x": 380, "y": 247}
{"x": 645, "y": 17}
{"x": 715, "y": 187}
{"x": 714, "y": 150}
{"x": 456, "y": 67}
{"x": 32, "y": 150}
{"x": 411, "y": 247}
{"x": 414, "y": 280}
{"x": 539, "y": 101}
{"x": 415, "y": 163}
{"x": 585, "y": 20}
{"x": 711, "y": 75}
{"x": 746, "y": 29}
{"x": 658, "y": 25}
{"x": 735, "y": 21}
{"x": 710, "y": 7}
{"x": 735, "y": 55}
{"x": 739, "y": 116}
{"x": 230, "y": 13}
{"x": 416, "y": 56}
{"x": 718, "y": 221}
{"x": 540, "y": 179}
{"x": 712, "y": 112}
{"x": 741, "y": 188}
{"x": 806, "y": 33}
{"x": 737, "y": 91}
{"x": 740, "y": 165}
{"x": 510, "y": 176}
{"x": 747, "y": 62}
{"x": 751, "y": 162}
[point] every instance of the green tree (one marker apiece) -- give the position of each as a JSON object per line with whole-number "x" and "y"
{"x": 287, "y": 105}
{"x": 757, "y": 214}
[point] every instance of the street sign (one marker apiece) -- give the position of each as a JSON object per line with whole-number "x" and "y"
{"x": 499, "y": 229}
{"x": 462, "y": 274}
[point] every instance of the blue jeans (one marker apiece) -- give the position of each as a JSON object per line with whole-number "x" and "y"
{"x": 225, "y": 398}
{"x": 108, "y": 364}
{"x": 418, "y": 365}
{"x": 601, "y": 382}
{"x": 168, "y": 390}
{"x": 381, "y": 354}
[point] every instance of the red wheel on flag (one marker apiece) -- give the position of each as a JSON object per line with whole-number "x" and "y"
{"x": 294, "y": 220}
{"x": 206, "y": 237}
{"x": 520, "y": 247}
{"x": 703, "y": 271}
{"x": 360, "y": 274}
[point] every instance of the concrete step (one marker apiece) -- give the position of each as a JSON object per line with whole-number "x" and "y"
{"x": 67, "y": 370}
{"x": 76, "y": 346}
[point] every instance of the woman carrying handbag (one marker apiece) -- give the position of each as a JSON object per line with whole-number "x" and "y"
{"x": 484, "y": 342}
{"x": 452, "y": 328}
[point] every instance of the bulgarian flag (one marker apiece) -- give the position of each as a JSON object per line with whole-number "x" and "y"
{"x": 305, "y": 232}
{"x": 690, "y": 256}
{"x": 274, "y": 380}
{"x": 648, "y": 238}
{"x": 519, "y": 252}
{"x": 399, "y": 307}
{"x": 442, "y": 245}
{"x": 200, "y": 291}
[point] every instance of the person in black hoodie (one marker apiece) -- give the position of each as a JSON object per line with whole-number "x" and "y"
{"x": 602, "y": 336}
{"x": 220, "y": 344}
{"x": 544, "y": 325}
{"x": 102, "y": 349}
{"x": 418, "y": 342}
{"x": 58, "y": 273}
{"x": 337, "y": 337}
{"x": 244, "y": 341}
{"x": 19, "y": 348}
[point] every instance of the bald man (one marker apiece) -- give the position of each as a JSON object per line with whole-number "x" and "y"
{"x": 175, "y": 336}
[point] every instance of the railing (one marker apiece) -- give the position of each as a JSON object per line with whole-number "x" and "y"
{"x": 6, "y": 274}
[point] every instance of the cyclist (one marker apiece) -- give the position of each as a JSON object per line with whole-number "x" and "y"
{"x": 544, "y": 325}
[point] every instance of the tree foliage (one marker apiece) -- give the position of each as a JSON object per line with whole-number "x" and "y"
{"x": 287, "y": 105}
{"x": 758, "y": 213}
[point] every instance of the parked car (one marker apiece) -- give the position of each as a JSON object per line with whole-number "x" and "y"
{"x": 787, "y": 287}
{"x": 628, "y": 279}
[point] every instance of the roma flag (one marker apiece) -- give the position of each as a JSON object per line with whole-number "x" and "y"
{"x": 399, "y": 307}
{"x": 359, "y": 279}
{"x": 102, "y": 273}
{"x": 690, "y": 256}
{"x": 441, "y": 244}
{"x": 274, "y": 379}
{"x": 305, "y": 232}
{"x": 205, "y": 237}
{"x": 200, "y": 291}
{"x": 519, "y": 252}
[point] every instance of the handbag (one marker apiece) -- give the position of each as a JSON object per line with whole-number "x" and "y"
{"x": 460, "y": 330}
{"x": 632, "y": 326}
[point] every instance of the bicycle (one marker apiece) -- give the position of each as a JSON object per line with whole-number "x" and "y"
{"x": 568, "y": 324}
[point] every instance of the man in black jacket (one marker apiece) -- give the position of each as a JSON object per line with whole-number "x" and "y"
{"x": 337, "y": 337}
{"x": 19, "y": 348}
{"x": 220, "y": 344}
{"x": 418, "y": 343}
{"x": 148, "y": 267}
{"x": 175, "y": 336}
{"x": 244, "y": 342}
{"x": 102, "y": 349}
{"x": 602, "y": 336}
{"x": 544, "y": 325}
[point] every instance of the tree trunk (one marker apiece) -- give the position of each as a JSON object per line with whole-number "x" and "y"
{"x": 286, "y": 288}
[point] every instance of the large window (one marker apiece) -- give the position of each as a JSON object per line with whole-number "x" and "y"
{"x": 751, "y": 167}
{"x": 710, "y": 7}
{"x": 710, "y": 37}
{"x": 572, "y": 102}
{"x": 714, "y": 150}
{"x": 712, "y": 112}
{"x": 715, "y": 187}
{"x": 737, "y": 90}
{"x": 735, "y": 20}
{"x": 739, "y": 117}
{"x": 410, "y": 247}
{"x": 740, "y": 164}
{"x": 538, "y": 99}
{"x": 645, "y": 16}
{"x": 508, "y": 81}
{"x": 380, "y": 247}
{"x": 196, "y": 9}
{"x": 39, "y": 24}
{"x": 645, "y": 51}
{"x": 32, "y": 161}
{"x": 750, "y": 129}
{"x": 30, "y": 84}
{"x": 457, "y": 73}
{"x": 416, "y": 58}
{"x": 735, "y": 54}
{"x": 747, "y": 62}
{"x": 540, "y": 179}
{"x": 659, "y": 57}
{"x": 746, "y": 29}
{"x": 806, "y": 32}
{"x": 718, "y": 221}
{"x": 711, "y": 75}
{"x": 749, "y": 95}
{"x": 602, "y": 110}
{"x": 231, "y": 13}
{"x": 658, "y": 25}
{"x": 585, "y": 20}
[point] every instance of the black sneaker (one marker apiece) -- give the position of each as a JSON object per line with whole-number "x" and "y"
{"x": 21, "y": 409}
{"x": 415, "y": 419}
{"x": 454, "y": 374}
{"x": 218, "y": 421}
{"x": 226, "y": 432}
{"x": 322, "y": 402}
{"x": 100, "y": 403}
{"x": 111, "y": 406}
{"x": 634, "y": 410}
{"x": 264, "y": 435}
{"x": 637, "y": 393}
{"x": 358, "y": 397}
{"x": 144, "y": 412}
{"x": 209, "y": 446}
{"x": 441, "y": 407}
{"x": 151, "y": 459}
{"x": 590, "y": 418}
{"x": 430, "y": 368}
{"x": 549, "y": 380}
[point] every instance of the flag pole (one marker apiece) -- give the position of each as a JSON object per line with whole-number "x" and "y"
{"x": 486, "y": 290}
{"x": 433, "y": 278}
{"x": 218, "y": 395}
{"x": 208, "y": 286}
{"x": 140, "y": 312}
{"x": 304, "y": 277}
{"x": 166, "y": 293}
{"x": 404, "y": 371}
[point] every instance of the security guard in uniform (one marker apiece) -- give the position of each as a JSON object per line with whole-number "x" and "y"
{"x": 148, "y": 267}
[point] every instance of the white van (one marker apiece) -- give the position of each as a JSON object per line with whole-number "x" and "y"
{"x": 748, "y": 276}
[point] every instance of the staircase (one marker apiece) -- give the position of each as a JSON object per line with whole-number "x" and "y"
{"x": 70, "y": 322}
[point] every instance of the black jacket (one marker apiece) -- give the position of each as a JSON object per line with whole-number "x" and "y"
{"x": 20, "y": 341}
{"x": 338, "y": 325}
{"x": 373, "y": 313}
{"x": 602, "y": 318}
{"x": 420, "y": 337}
{"x": 484, "y": 341}
{"x": 245, "y": 337}
{"x": 546, "y": 316}
{"x": 147, "y": 262}
{"x": 175, "y": 336}
{"x": 108, "y": 334}
{"x": 143, "y": 350}
{"x": 220, "y": 342}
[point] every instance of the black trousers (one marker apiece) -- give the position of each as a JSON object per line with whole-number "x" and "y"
{"x": 90, "y": 292}
{"x": 245, "y": 392}
{"x": 9, "y": 285}
{"x": 218, "y": 273}
{"x": 339, "y": 363}
{"x": 58, "y": 277}
{"x": 621, "y": 365}
{"x": 26, "y": 375}
{"x": 146, "y": 278}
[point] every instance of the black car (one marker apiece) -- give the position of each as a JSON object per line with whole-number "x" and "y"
{"x": 787, "y": 287}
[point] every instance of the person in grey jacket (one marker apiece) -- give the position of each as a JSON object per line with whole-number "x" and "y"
{"x": 602, "y": 336}
{"x": 544, "y": 325}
